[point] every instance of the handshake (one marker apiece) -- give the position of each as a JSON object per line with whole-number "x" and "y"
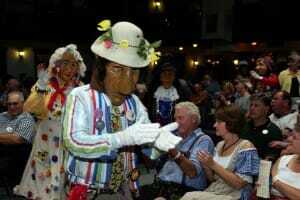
{"x": 138, "y": 134}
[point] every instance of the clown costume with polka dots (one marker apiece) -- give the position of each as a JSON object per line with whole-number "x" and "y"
{"x": 43, "y": 177}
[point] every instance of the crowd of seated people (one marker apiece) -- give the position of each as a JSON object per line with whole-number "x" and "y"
{"x": 242, "y": 121}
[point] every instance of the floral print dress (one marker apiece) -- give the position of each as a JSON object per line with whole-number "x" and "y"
{"x": 43, "y": 178}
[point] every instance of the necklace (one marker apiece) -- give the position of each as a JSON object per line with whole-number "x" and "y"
{"x": 226, "y": 148}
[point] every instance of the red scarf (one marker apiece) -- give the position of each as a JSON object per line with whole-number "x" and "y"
{"x": 58, "y": 91}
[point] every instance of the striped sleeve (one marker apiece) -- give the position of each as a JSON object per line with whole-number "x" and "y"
{"x": 77, "y": 132}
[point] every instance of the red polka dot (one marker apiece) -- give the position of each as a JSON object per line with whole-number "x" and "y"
{"x": 32, "y": 163}
{"x": 45, "y": 137}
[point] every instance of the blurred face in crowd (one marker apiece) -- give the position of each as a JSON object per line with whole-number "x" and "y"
{"x": 294, "y": 63}
{"x": 293, "y": 144}
{"x": 228, "y": 89}
{"x": 278, "y": 102}
{"x": 186, "y": 122}
{"x": 258, "y": 110}
{"x": 198, "y": 88}
{"x": 13, "y": 85}
{"x": 14, "y": 104}
{"x": 240, "y": 87}
{"x": 119, "y": 82}
{"x": 220, "y": 127}
{"x": 69, "y": 67}
{"x": 167, "y": 78}
{"x": 261, "y": 67}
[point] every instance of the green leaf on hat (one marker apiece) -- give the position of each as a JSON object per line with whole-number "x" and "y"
{"x": 155, "y": 44}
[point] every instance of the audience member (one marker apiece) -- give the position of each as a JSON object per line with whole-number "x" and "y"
{"x": 212, "y": 86}
{"x": 289, "y": 78}
{"x": 285, "y": 172}
{"x": 182, "y": 171}
{"x": 242, "y": 99}
{"x": 17, "y": 130}
{"x": 263, "y": 74}
{"x": 12, "y": 84}
{"x": 283, "y": 115}
{"x": 259, "y": 129}
{"x": 235, "y": 163}
{"x": 166, "y": 94}
{"x": 203, "y": 101}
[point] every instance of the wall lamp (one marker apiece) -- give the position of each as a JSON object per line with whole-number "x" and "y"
{"x": 21, "y": 54}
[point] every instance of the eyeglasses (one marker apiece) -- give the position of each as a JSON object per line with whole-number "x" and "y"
{"x": 12, "y": 103}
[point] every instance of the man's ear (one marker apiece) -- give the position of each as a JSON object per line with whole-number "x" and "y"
{"x": 194, "y": 120}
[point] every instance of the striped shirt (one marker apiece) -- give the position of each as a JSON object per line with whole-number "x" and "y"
{"x": 92, "y": 149}
{"x": 23, "y": 125}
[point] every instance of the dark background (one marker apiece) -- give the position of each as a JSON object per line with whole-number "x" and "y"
{"x": 180, "y": 21}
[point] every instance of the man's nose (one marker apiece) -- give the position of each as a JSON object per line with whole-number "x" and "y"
{"x": 127, "y": 82}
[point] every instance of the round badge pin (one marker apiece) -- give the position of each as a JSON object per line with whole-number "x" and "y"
{"x": 265, "y": 132}
{"x": 100, "y": 125}
{"x": 9, "y": 129}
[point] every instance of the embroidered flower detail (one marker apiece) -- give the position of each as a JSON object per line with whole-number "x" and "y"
{"x": 124, "y": 44}
{"x": 107, "y": 44}
{"x": 44, "y": 137}
{"x": 265, "y": 131}
{"x": 104, "y": 25}
{"x": 48, "y": 173}
{"x": 41, "y": 176}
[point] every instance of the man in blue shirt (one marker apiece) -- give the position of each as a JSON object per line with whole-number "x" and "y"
{"x": 182, "y": 171}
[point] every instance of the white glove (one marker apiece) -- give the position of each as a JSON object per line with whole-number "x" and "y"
{"x": 138, "y": 134}
{"x": 167, "y": 140}
{"x": 43, "y": 77}
{"x": 255, "y": 75}
{"x": 170, "y": 127}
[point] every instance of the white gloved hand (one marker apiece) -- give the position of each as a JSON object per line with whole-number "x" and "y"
{"x": 167, "y": 140}
{"x": 43, "y": 77}
{"x": 138, "y": 134}
{"x": 255, "y": 75}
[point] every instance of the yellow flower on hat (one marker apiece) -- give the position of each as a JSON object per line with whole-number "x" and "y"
{"x": 104, "y": 25}
{"x": 154, "y": 57}
{"x": 124, "y": 44}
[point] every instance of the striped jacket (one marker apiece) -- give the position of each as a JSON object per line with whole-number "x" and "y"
{"x": 90, "y": 150}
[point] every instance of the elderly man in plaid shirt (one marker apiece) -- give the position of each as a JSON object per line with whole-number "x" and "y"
{"x": 17, "y": 129}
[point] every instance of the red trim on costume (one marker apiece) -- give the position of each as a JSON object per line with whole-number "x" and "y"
{"x": 94, "y": 130}
{"x": 78, "y": 192}
{"x": 58, "y": 91}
